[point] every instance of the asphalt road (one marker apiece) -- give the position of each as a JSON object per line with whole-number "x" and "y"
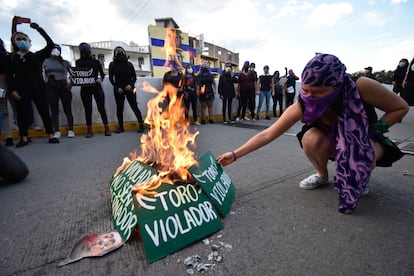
{"x": 274, "y": 227}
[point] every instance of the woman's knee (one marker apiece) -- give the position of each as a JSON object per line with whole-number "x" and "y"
{"x": 315, "y": 140}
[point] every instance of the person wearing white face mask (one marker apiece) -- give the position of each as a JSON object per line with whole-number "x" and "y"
{"x": 25, "y": 83}
{"x": 190, "y": 92}
{"x": 55, "y": 70}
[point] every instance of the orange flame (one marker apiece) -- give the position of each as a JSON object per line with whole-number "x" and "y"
{"x": 170, "y": 48}
{"x": 168, "y": 145}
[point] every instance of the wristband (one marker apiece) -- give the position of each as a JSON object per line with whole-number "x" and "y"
{"x": 234, "y": 156}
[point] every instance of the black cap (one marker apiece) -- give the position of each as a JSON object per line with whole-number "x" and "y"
{"x": 369, "y": 68}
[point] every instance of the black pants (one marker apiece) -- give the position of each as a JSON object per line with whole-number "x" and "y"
{"x": 86, "y": 93}
{"x": 38, "y": 96}
{"x": 278, "y": 98}
{"x": 247, "y": 99}
{"x": 191, "y": 100}
{"x": 120, "y": 103}
{"x": 289, "y": 99}
{"x": 227, "y": 101}
{"x": 56, "y": 89}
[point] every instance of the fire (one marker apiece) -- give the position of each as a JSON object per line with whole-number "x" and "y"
{"x": 170, "y": 48}
{"x": 168, "y": 145}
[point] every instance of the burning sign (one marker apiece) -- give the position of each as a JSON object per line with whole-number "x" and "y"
{"x": 164, "y": 190}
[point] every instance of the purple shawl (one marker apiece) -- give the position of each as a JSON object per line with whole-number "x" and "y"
{"x": 354, "y": 155}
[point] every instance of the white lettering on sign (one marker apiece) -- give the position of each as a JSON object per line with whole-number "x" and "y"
{"x": 168, "y": 229}
{"x": 138, "y": 173}
{"x": 122, "y": 207}
{"x": 209, "y": 174}
{"x": 123, "y": 218}
{"x": 79, "y": 81}
{"x": 183, "y": 194}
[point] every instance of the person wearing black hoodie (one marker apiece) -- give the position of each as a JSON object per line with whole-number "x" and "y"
{"x": 87, "y": 61}
{"x": 227, "y": 92}
{"x": 25, "y": 83}
{"x": 123, "y": 77}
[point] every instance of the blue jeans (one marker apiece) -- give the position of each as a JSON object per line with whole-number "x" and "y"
{"x": 264, "y": 95}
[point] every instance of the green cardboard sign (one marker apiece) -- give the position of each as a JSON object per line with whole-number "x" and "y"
{"x": 176, "y": 216}
{"x": 123, "y": 215}
{"x": 215, "y": 182}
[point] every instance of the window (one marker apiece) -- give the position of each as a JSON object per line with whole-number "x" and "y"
{"x": 101, "y": 59}
{"x": 140, "y": 61}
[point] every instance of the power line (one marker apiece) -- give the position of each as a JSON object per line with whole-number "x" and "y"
{"x": 136, "y": 14}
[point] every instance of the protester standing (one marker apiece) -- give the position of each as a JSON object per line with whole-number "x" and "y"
{"x": 123, "y": 77}
{"x": 87, "y": 61}
{"x": 227, "y": 92}
{"x": 264, "y": 83}
{"x": 4, "y": 120}
{"x": 207, "y": 89}
{"x": 408, "y": 84}
{"x": 399, "y": 75}
{"x": 190, "y": 93}
{"x": 25, "y": 83}
{"x": 55, "y": 69}
{"x": 245, "y": 89}
{"x": 290, "y": 87}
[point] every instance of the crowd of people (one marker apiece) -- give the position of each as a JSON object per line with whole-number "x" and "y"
{"x": 338, "y": 112}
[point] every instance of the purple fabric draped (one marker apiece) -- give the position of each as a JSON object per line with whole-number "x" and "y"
{"x": 354, "y": 155}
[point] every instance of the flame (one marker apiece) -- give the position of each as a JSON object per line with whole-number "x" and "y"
{"x": 168, "y": 145}
{"x": 170, "y": 48}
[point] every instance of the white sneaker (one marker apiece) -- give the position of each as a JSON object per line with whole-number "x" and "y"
{"x": 237, "y": 119}
{"x": 197, "y": 123}
{"x": 57, "y": 135}
{"x": 246, "y": 119}
{"x": 312, "y": 182}
{"x": 71, "y": 134}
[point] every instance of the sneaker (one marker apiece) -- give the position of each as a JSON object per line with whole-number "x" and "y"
{"x": 53, "y": 140}
{"x": 71, "y": 134}
{"x": 312, "y": 182}
{"x": 237, "y": 119}
{"x": 267, "y": 118}
{"x": 9, "y": 142}
{"x": 35, "y": 127}
{"x": 233, "y": 122}
{"x": 197, "y": 123}
{"x": 57, "y": 135}
{"x": 246, "y": 119}
{"x": 120, "y": 130}
{"x": 225, "y": 122}
{"x": 22, "y": 144}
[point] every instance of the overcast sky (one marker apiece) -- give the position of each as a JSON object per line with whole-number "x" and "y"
{"x": 361, "y": 33}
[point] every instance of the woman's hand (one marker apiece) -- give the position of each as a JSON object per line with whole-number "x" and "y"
{"x": 16, "y": 95}
{"x": 226, "y": 158}
{"x": 128, "y": 88}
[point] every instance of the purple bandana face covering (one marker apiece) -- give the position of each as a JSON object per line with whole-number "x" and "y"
{"x": 316, "y": 106}
{"x": 354, "y": 155}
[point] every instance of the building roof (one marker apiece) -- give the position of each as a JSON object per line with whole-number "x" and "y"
{"x": 167, "y": 22}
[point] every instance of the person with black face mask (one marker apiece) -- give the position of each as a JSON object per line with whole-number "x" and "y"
{"x": 25, "y": 83}
{"x": 123, "y": 77}
{"x": 55, "y": 69}
{"x": 87, "y": 61}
